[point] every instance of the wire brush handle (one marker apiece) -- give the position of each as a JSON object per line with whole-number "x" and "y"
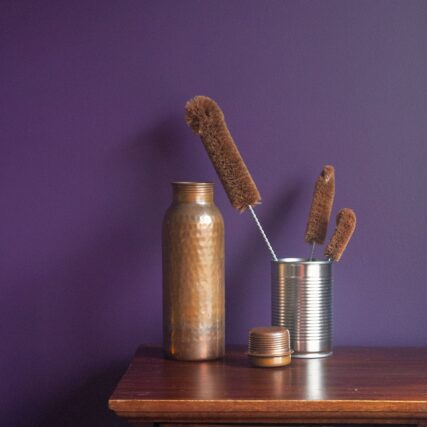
{"x": 270, "y": 248}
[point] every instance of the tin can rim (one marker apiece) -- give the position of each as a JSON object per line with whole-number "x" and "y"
{"x": 301, "y": 261}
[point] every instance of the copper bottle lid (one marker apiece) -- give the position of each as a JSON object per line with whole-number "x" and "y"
{"x": 269, "y": 346}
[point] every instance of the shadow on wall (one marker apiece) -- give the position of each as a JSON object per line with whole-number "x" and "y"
{"x": 88, "y": 405}
{"x": 274, "y": 222}
{"x": 158, "y": 157}
{"x": 91, "y": 299}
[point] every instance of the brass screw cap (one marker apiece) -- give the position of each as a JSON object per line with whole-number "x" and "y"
{"x": 269, "y": 346}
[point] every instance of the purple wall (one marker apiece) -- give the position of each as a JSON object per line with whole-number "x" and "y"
{"x": 92, "y": 132}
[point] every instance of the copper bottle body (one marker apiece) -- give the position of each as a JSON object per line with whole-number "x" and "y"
{"x": 193, "y": 274}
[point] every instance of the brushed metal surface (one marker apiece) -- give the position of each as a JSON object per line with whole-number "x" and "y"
{"x": 269, "y": 341}
{"x": 193, "y": 274}
{"x": 269, "y": 347}
{"x": 271, "y": 361}
{"x": 302, "y": 302}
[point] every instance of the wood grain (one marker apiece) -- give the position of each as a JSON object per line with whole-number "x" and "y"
{"x": 358, "y": 385}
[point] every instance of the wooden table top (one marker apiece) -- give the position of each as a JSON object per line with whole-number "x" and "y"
{"x": 356, "y": 382}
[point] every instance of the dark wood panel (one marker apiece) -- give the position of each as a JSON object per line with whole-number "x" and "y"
{"x": 361, "y": 384}
{"x": 277, "y": 425}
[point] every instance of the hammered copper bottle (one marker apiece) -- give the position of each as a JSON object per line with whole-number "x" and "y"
{"x": 193, "y": 274}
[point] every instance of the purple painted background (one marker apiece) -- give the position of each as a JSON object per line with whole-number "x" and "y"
{"x": 92, "y": 132}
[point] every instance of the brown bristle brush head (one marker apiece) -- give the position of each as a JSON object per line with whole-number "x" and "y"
{"x": 206, "y": 119}
{"x": 346, "y": 224}
{"x": 321, "y": 206}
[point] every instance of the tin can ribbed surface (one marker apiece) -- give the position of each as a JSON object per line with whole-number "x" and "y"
{"x": 302, "y": 303}
{"x": 193, "y": 274}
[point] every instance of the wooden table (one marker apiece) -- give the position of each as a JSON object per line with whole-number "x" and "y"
{"x": 354, "y": 386}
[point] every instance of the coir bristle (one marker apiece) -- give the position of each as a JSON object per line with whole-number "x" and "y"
{"x": 346, "y": 223}
{"x": 321, "y": 206}
{"x": 206, "y": 119}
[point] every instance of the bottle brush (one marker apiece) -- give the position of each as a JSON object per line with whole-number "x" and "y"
{"x": 206, "y": 119}
{"x": 321, "y": 207}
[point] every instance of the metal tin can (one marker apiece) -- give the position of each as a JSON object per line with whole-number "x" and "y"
{"x": 302, "y": 303}
{"x": 193, "y": 274}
